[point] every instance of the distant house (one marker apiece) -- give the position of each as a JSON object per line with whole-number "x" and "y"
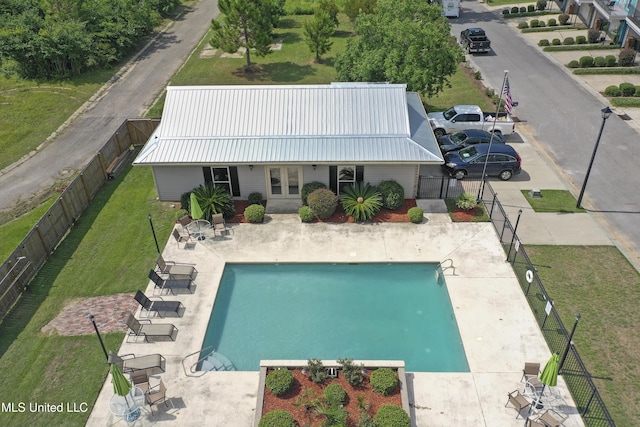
{"x": 274, "y": 139}
{"x": 620, "y": 19}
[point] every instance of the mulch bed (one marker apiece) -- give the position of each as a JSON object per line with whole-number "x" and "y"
{"x": 461, "y": 215}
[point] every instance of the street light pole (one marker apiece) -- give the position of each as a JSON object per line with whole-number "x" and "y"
{"x": 606, "y": 113}
{"x": 91, "y": 317}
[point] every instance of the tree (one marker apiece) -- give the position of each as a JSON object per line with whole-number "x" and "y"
{"x": 352, "y": 8}
{"x": 402, "y": 42}
{"x": 331, "y": 8}
{"x": 318, "y": 32}
{"x": 245, "y": 23}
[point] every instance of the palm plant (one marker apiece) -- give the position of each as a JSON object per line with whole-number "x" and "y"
{"x": 361, "y": 201}
{"x": 212, "y": 199}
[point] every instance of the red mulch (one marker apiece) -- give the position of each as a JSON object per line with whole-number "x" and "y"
{"x": 305, "y": 390}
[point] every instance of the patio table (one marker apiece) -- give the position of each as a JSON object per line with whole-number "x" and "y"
{"x": 197, "y": 228}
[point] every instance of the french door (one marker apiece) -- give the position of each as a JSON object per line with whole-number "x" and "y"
{"x": 283, "y": 182}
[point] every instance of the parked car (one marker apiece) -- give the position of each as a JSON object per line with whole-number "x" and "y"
{"x": 461, "y": 117}
{"x": 475, "y": 40}
{"x": 467, "y": 137}
{"x": 502, "y": 161}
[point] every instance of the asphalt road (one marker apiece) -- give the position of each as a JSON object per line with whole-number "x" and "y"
{"x": 564, "y": 117}
{"x": 129, "y": 96}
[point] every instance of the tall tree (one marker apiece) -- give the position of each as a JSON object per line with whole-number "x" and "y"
{"x": 352, "y": 8}
{"x": 245, "y": 23}
{"x": 402, "y": 42}
{"x": 318, "y": 32}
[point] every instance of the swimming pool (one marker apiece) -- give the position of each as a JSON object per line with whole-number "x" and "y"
{"x": 332, "y": 311}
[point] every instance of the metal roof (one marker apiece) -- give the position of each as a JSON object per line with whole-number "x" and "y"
{"x": 364, "y": 122}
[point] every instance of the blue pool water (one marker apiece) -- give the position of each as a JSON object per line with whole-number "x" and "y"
{"x": 333, "y": 311}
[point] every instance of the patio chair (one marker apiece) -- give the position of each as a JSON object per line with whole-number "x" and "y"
{"x": 159, "y": 307}
{"x": 184, "y": 221}
{"x": 530, "y": 370}
{"x": 551, "y": 418}
{"x": 159, "y": 396}
{"x": 175, "y": 270}
{"x": 181, "y": 237}
{"x": 149, "y": 331}
{"x": 151, "y": 363}
{"x": 518, "y": 401}
{"x": 140, "y": 379}
{"x": 171, "y": 284}
{"x": 218, "y": 224}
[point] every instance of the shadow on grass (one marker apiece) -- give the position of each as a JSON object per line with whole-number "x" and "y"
{"x": 288, "y": 23}
{"x": 289, "y": 37}
{"x": 283, "y": 72}
{"x": 37, "y": 291}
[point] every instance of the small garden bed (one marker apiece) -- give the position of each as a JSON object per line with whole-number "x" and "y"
{"x": 476, "y": 214}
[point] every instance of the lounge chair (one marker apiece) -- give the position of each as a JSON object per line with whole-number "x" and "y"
{"x": 218, "y": 224}
{"x": 175, "y": 270}
{"x": 159, "y": 307}
{"x": 518, "y": 401}
{"x": 551, "y": 418}
{"x": 149, "y": 331}
{"x": 152, "y": 363}
{"x": 156, "y": 397}
{"x": 171, "y": 284}
{"x": 181, "y": 237}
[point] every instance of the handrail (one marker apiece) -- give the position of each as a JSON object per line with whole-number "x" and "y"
{"x": 451, "y": 266}
{"x": 210, "y": 349}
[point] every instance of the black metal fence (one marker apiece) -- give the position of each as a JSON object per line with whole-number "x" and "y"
{"x": 581, "y": 386}
{"x": 444, "y": 187}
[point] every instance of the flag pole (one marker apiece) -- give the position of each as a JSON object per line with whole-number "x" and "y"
{"x": 493, "y": 128}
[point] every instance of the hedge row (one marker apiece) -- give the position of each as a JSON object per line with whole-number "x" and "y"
{"x": 625, "y": 102}
{"x": 612, "y": 70}
{"x": 582, "y": 46}
{"x": 623, "y": 89}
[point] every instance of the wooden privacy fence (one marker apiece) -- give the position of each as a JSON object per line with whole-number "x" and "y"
{"x": 31, "y": 254}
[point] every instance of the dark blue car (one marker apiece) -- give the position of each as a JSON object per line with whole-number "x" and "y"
{"x": 464, "y": 138}
{"x": 502, "y": 161}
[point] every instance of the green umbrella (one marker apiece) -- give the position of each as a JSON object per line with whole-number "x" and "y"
{"x": 121, "y": 385}
{"x": 196, "y": 210}
{"x": 548, "y": 377}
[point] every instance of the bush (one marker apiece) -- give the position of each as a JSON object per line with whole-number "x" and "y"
{"x": 317, "y": 372}
{"x": 477, "y": 75}
{"x": 599, "y": 61}
{"x": 543, "y": 42}
{"x": 514, "y": 9}
{"x": 279, "y": 381}
{"x": 335, "y": 416}
{"x": 309, "y": 188}
{"x": 574, "y": 64}
{"x": 637, "y": 92}
{"x": 352, "y": 373}
{"x": 627, "y": 89}
{"x": 610, "y": 61}
{"x": 568, "y": 41}
{"x": 392, "y": 194}
{"x": 531, "y": 8}
{"x": 626, "y": 57}
{"x": 523, "y": 25}
{"x": 505, "y": 11}
{"x": 586, "y": 62}
{"x": 383, "y": 381}
{"x": 612, "y": 91}
{"x": 555, "y": 42}
{"x": 214, "y": 200}
{"x": 323, "y": 202}
{"x": 542, "y": 24}
{"x": 392, "y": 416}
{"x": 185, "y": 201}
{"x": 361, "y": 201}
{"x": 335, "y": 395}
{"x": 306, "y": 214}
{"x": 581, "y": 39}
{"x": 416, "y": 215}
{"x": 254, "y": 214}
{"x": 552, "y": 22}
{"x": 541, "y": 4}
{"x": 255, "y": 198}
{"x": 563, "y": 18}
{"x": 593, "y": 35}
{"x": 523, "y": 9}
{"x": 277, "y": 418}
{"x": 534, "y": 23}
{"x": 466, "y": 201}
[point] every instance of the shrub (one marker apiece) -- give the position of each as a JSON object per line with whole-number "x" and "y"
{"x": 627, "y": 89}
{"x": 366, "y": 421}
{"x": 214, "y": 200}
{"x": 626, "y": 57}
{"x": 392, "y": 194}
{"x": 593, "y": 35}
{"x": 610, "y": 61}
{"x": 416, "y": 215}
{"x": 542, "y": 24}
{"x": 563, "y": 18}
{"x": 279, "y": 381}
{"x": 306, "y": 214}
{"x": 522, "y": 9}
{"x": 505, "y": 11}
{"x": 514, "y": 9}
{"x": 466, "y": 201}
{"x": 573, "y": 64}
{"x": 335, "y": 416}
{"x": 309, "y": 188}
{"x": 361, "y": 201}
{"x": 352, "y": 373}
{"x": 543, "y": 42}
{"x": 599, "y": 61}
{"x": 612, "y": 91}
{"x": 185, "y": 201}
{"x": 581, "y": 39}
{"x": 323, "y": 202}
{"x": 534, "y": 23}
{"x": 277, "y": 418}
{"x": 335, "y": 395}
{"x": 586, "y": 62}
{"x": 255, "y": 198}
{"x": 383, "y": 381}
{"x": 552, "y": 22}
{"x": 254, "y": 213}
{"x": 317, "y": 372}
{"x": 523, "y": 25}
{"x": 531, "y": 8}
{"x": 541, "y": 4}
{"x": 637, "y": 92}
{"x": 477, "y": 75}
{"x": 392, "y": 416}
{"x": 555, "y": 42}
{"x": 568, "y": 41}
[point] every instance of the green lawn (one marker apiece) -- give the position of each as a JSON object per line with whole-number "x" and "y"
{"x": 552, "y": 201}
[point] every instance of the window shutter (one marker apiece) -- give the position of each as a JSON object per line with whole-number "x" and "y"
{"x": 333, "y": 178}
{"x": 208, "y": 178}
{"x": 359, "y": 173}
{"x": 235, "y": 185}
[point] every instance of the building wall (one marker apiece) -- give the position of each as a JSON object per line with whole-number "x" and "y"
{"x": 173, "y": 181}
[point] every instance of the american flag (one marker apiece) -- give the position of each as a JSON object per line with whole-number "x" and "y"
{"x": 506, "y": 92}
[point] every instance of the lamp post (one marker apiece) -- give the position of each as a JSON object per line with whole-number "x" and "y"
{"x": 153, "y": 230}
{"x": 606, "y": 113}
{"x": 566, "y": 349}
{"x": 91, "y": 317}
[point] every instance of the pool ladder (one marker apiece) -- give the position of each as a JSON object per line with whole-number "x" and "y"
{"x": 191, "y": 371}
{"x": 450, "y": 266}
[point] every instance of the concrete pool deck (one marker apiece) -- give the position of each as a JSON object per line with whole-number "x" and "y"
{"x": 496, "y": 325}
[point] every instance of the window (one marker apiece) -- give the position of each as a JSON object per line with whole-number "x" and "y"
{"x": 346, "y": 177}
{"x": 221, "y": 178}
